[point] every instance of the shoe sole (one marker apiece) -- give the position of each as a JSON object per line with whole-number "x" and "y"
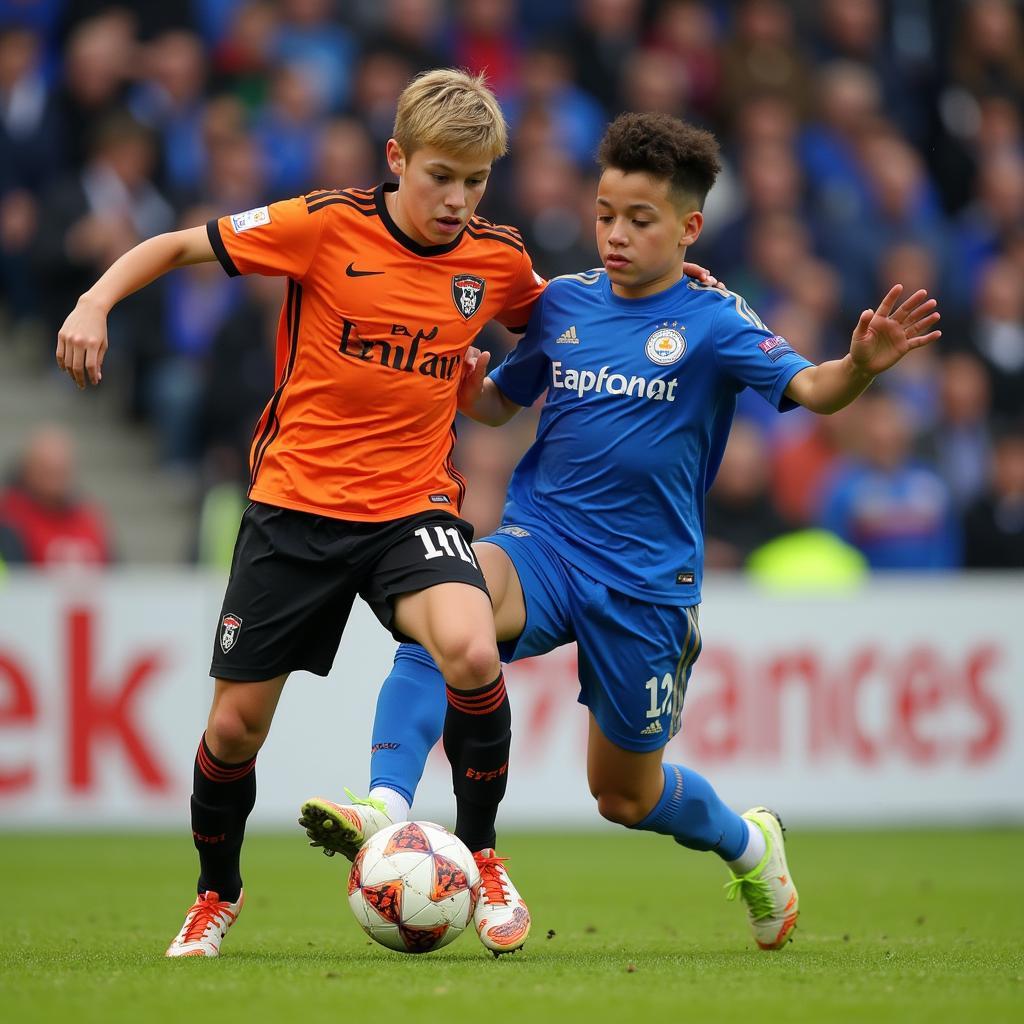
{"x": 330, "y": 830}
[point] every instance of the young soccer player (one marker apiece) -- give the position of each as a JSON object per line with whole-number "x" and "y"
{"x": 353, "y": 488}
{"x": 602, "y": 537}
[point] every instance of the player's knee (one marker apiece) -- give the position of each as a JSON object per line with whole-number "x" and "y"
{"x": 621, "y": 808}
{"x": 233, "y": 737}
{"x": 469, "y": 663}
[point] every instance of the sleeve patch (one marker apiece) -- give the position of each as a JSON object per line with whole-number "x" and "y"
{"x": 250, "y": 219}
{"x": 774, "y": 348}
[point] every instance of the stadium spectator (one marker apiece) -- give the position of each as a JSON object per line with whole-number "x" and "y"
{"x": 994, "y": 524}
{"x": 419, "y": 28}
{"x": 959, "y": 445}
{"x": 604, "y": 34}
{"x": 998, "y": 336}
{"x": 761, "y": 54}
{"x": 98, "y": 63}
{"x": 985, "y": 226}
{"x": 169, "y": 101}
{"x": 286, "y": 129}
{"x": 310, "y": 37}
{"x": 803, "y": 462}
{"x": 239, "y": 376}
{"x": 487, "y": 40}
{"x": 198, "y": 302}
{"x": 686, "y": 30}
{"x": 897, "y": 511}
{"x": 987, "y": 52}
{"x": 545, "y": 81}
{"x": 343, "y": 151}
{"x": 90, "y": 219}
{"x": 30, "y": 136}
{"x": 382, "y": 73}
{"x": 547, "y": 187}
{"x": 740, "y": 513}
{"x": 50, "y": 523}
{"x": 243, "y": 61}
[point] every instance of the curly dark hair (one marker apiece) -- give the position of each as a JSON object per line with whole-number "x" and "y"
{"x": 663, "y": 147}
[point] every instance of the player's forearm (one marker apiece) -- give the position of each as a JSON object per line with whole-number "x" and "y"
{"x": 146, "y": 262}
{"x": 491, "y": 407}
{"x": 828, "y": 387}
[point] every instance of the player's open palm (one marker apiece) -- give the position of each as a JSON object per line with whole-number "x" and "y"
{"x": 82, "y": 344}
{"x": 883, "y": 336}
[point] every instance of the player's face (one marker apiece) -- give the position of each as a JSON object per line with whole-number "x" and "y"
{"x": 641, "y": 233}
{"x": 438, "y": 192}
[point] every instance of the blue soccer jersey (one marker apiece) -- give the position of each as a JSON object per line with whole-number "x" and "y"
{"x": 640, "y": 398}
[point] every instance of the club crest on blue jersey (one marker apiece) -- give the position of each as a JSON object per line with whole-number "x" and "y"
{"x": 468, "y": 293}
{"x": 666, "y": 345}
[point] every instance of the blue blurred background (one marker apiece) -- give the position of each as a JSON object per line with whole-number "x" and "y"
{"x": 866, "y": 143}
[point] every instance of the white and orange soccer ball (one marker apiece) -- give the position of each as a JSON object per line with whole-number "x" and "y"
{"x": 413, "y": 887}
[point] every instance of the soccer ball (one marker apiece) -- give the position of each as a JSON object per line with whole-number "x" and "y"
{"x": 413, "y": 887}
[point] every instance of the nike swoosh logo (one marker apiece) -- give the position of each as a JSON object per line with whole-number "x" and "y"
{"x": 352, "y": 272}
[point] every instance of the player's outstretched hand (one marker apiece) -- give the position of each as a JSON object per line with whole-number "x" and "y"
{"x": 82, "y": 343}
{"x": 702, "y": 274}
{"x": 883, "y": 336}
{"x": 474, "y": 371}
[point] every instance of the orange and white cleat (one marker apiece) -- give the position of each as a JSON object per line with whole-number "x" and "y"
{"x": 206, "y": 924}
{"x": 501, "y": 917}
{"x": 768, "y": 890}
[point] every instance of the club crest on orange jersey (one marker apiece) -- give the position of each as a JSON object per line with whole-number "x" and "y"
{"x": 468, "y": 293}
{"x": 229, "y": 627}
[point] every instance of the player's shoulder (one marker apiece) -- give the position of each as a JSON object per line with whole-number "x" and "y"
{"x": 501, "y": 240}
{"x": 724, "y": 302}
{"x": 585, "y": 282}
{"x": 341, "y": 201}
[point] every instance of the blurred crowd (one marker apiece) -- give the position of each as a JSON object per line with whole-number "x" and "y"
{"x": 866, "y": 143}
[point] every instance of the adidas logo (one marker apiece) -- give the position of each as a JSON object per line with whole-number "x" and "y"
{"x": 654, "y": 729}
{"x": 568, "y": 337}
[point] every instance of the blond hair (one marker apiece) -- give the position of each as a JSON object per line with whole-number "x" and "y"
{"x": 453, "y": 111}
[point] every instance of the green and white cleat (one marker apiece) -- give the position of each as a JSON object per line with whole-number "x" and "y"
{"x": 342, "y": 828}
{"x": 768, "y": 891}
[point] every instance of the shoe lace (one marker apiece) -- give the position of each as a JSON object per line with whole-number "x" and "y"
{"x": 755, "y": 892}
{"x": 206, "y": 913}
{"x": 492, "y": 878}
{"x": 369, "y": 801}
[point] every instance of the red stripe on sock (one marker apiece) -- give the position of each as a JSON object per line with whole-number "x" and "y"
{"x": 478, "y": 704}
{"x": 217, "y": 773}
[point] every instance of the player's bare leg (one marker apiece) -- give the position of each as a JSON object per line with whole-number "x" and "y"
{"x": 631, "y": 788}
{"x": 455, "y": 623}
{"x": 224, "y": 791}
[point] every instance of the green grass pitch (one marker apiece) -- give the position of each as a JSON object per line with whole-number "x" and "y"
{"x": 896, "y": 926}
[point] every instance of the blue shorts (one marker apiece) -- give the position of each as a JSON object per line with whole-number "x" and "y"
{"x": 634, "y": 657}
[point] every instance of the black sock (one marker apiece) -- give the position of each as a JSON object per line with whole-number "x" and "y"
{"x": 477, "y": 736}
{"x": 222, "y": 796}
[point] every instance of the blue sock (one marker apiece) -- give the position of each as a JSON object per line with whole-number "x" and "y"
{"x": 411, "y": 708}
{"x": 689, "y": 810}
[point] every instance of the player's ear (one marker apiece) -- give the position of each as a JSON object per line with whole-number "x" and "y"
{"x": 692, "y": 223}
{"x": 396, "y": 158}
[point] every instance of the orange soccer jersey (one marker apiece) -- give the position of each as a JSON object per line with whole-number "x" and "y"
{"x": 370, "y": 348}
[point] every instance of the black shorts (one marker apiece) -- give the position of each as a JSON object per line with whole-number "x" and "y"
{"x": 294, "y": 577}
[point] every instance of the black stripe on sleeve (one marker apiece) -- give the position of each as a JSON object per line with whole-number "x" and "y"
{"x": 213, "y": 233}
{"x": 272, "y": 427}
{"x": 504, "y": 239}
